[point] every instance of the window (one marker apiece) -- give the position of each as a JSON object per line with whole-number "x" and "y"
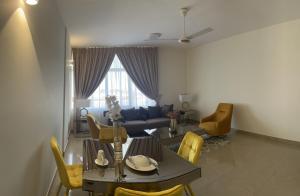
{"x": 118, "y": 83}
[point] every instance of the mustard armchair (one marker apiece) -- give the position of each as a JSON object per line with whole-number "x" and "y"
{"x": 190, "y": 150}
{"x": 218, "y": 123}
{"x": 103, "y": 132}
{"x": 175, "y": 191}
{"x": 70, "y": 175}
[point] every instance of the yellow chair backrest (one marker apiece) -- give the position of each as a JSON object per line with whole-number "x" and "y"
{"x": 224, "y": 110}
{"x": 95, "y": 129}
{"x": 190, "y": 147}
{"x": 61, "y": 166}
{"x": 175, "y": 191}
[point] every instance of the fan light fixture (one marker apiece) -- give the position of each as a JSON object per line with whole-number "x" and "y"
{"x": 32, "y": 2}
{"x": 184, "y": 39}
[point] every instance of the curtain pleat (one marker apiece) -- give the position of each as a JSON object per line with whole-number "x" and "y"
{"x": 141, "y": 64}
{"x": 90, "y": 67}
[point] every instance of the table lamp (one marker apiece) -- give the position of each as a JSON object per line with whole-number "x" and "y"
{"x": 83, "y": 104}
{"x": 184, "y": 99}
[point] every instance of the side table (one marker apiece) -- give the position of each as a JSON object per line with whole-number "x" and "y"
{"x": 188, "y": 116}
{"x": 81, "y": 125}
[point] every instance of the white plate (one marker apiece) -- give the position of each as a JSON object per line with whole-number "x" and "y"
{"x": 103, "y": 164}
{"x": 139, "y": 168}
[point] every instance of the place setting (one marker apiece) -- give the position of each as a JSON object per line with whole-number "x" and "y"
{"x": 101, "y": 160}
{"x": 141, "y": 163}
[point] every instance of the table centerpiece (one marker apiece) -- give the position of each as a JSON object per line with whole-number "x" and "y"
{"x": 115, "y": 116}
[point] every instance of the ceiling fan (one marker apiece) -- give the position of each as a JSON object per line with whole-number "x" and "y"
{"x": 184, "y": 38}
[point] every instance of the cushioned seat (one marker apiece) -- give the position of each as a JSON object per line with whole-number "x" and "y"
{"x": 75, "y": 175}
{"x": 190, "y": 149}
{"x": 70, "y": 175}
{"x": 209, "y": 126}
{"x": 218, "y": 123}
{"x": 104, "y": 133}
{"x": 94, "y": 127}
{"x": 137, "y": 120}
{"x": 157, "y": 122}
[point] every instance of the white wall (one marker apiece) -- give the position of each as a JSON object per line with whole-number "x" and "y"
{"x": 259, "y": 72}
{"x": 31, "y": 83}
{"x": 172, "y": 74}
{"x": 68, "y": 110}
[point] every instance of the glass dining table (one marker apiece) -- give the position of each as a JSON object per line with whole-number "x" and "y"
{"x": 172, "y": 169}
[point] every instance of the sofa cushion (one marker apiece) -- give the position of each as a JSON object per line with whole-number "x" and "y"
{"x": 130, "y": 114}
{"x": 143, "y": 113}
{"x": 157, "y": 123}
{"x": 154, "y": 111}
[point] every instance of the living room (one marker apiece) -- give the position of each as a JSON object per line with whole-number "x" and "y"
{"x": 195, "y": 55}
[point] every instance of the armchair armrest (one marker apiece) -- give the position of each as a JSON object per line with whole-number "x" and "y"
{"x": 223, "y": 121}
{"x": 208, "y": 118}
{"x": 103, "y": 125}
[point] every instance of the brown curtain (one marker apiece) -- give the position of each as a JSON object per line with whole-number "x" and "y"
{"x": 141, "y": 64}
{"x": 90, "y": 68}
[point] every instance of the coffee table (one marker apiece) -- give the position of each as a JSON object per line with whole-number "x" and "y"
{"x": 169, "y": 138}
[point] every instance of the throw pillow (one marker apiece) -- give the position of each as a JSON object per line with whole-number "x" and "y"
{"x": 143, "y": 113}
{"x": 154, "y": 111}
{"x": 130, "y": 114}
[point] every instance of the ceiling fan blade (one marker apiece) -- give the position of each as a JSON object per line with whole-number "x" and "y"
{"x": 199, "y": 33}
{"x": 150, "y": 40}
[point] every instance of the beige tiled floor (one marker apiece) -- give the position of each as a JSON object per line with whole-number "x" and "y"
{"x": 248, "y": 165}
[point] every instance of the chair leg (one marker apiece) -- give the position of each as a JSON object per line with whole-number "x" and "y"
{"x": 91, "y": 193}
{"x": 67, "y": 192}
{"x": 186, "y": 191}
{"x": 190, "y": 190}
{"x": 58, "y": 190}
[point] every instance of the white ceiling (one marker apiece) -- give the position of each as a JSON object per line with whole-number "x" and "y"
{"x": 129, "y": 22}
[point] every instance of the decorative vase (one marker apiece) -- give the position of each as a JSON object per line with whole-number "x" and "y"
{"x": 118, "y": 154}
{"x": 173, "y": 124}
{"x": 115, "y": 116}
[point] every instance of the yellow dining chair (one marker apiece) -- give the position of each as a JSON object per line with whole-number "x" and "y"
{"x": 190, "y": 149}
{"x": 94, "y": 127}
{"x": 218, "y": 123}
{"x": 70, "y": 175}
{"x": 175, "y": 191}
{"x": 104, "y": 133}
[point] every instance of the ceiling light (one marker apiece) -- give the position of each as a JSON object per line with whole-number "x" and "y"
{"x": 32, "y": 2}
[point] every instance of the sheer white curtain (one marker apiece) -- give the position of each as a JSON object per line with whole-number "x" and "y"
{"x": 118, "y": 83}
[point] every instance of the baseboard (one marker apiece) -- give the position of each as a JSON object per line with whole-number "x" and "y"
{"x": 290, "y": 142}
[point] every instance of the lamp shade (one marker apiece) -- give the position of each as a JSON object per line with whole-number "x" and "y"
{"x": 185, "y": 97}
{"x": 83, "y": 103}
